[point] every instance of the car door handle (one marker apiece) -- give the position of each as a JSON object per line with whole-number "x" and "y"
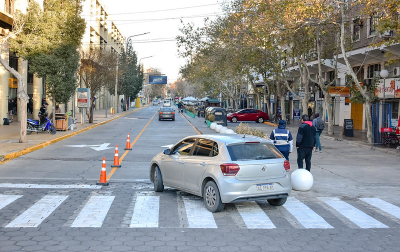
{"x": 181, "y": 162}
{"x": 203, "y": 164}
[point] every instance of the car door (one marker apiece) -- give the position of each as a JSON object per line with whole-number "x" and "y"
{"x": 197, "y": 163}
{"x": 242, "y": 115}
{"x": 254, "y": 114}
{"x": 173, "y": 165}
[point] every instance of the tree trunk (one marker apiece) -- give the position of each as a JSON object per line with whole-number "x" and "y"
{"x": 328, "y": 102}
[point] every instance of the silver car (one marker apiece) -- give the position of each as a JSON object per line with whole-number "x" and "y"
{"x": 224, "y": 169}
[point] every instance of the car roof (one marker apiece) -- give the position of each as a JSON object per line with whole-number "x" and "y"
{"x": 229, "y": 139}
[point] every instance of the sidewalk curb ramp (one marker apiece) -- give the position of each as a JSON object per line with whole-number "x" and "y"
{"x": 7, "y": 157}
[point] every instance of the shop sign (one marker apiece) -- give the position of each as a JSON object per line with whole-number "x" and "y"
{"x": 12, "y": 83}
{"x": 391, "y": 90}
{"x": 83, "y": 97}
{"x": 339, "y": 91}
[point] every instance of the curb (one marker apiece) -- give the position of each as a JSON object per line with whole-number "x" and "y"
{"x": 25, "y": 151}
{"x": 271, "y": 124}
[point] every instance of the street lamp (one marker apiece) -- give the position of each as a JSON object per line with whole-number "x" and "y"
{"x": 127, "y": 40}
{"x": 384, "y": 74}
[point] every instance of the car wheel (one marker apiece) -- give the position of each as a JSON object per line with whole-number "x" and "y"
{"x": 260, "y": 120}
{"x": 158, "y": 183}
{"x": 211, "y": 197}
{"x": 173, "y": 119}
{"x": 159, "y": 119}
{"x": 234, "y": 119}
{"x": 277, "y": 202}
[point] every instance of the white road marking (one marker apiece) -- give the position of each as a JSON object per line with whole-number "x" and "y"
{"x": 146, "y": 212}
{"x": 8, "y": 199}
{"x": 198, "y": 216}
{"x": 384, "y": 206}
{"x": 98, "y": 147}
{"x": 307, "y": 217}
{"x": 355, "y": 215}
{"x": 37, "y": 213}
{"x": 94, "y": 212}
{"x": 40, "y": 186}
{"x": 253, "y": 216}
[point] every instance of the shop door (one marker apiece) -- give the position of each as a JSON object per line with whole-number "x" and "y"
{"x": 357, "y": 115}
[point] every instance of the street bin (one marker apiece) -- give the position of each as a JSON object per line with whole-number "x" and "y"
{"x": 220, "y": 115}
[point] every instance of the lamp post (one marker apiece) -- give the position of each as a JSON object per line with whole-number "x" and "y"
{"x": 384, "y": 74}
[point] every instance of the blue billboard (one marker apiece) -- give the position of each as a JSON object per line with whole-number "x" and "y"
{"x": 157, "y": 79}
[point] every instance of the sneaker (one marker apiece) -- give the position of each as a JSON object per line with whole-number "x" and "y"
{"x": 320, "y": 151}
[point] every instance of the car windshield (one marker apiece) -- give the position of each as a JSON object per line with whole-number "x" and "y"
{"x": 253, "y": 151}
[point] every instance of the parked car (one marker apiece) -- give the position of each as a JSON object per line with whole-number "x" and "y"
{"x": 167, "y": 103}
{"x": 166, "y": 113}
{"x": 156, "y": 103}
{"x": 248, "y": 115}
{"x": 224, "y": 169}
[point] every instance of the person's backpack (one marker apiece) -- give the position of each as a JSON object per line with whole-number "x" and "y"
{"x": 320, "y": 124}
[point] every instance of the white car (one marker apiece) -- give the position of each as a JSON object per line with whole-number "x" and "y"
{"x": 224, "y": 169}
{"x": 167, "y": 103}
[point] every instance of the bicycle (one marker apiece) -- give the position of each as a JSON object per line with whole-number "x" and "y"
{"x": 287, "y": 119}
{"x": 10, "y": 116}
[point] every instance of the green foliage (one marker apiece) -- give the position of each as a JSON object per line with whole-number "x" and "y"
{"x": 211, "y": 118}
{"x": 49, "y": 40}
{"x": 58, "y": 68}
{"x": 131, "y": 75}
{"x": 356, "y": 95}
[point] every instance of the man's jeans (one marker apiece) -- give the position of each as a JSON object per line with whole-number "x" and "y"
{"x": 304, "y": 153}
{"x": 318, "y": 143}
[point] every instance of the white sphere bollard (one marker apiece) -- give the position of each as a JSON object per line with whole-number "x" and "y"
{"x": 213, "y": 125}
{"x": 218, "y": 128}
{"x": 223, "y": 130}
{"x": 302, "y": 180}
{"x": 229, "y": 131}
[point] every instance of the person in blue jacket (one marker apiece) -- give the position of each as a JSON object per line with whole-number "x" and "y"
{"x": 283, "y": 139}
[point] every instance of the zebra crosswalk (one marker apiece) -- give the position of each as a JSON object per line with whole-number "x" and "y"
{"x": 147, "y": 212}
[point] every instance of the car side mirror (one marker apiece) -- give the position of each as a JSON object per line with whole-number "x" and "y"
{"x": 167, "y": 151}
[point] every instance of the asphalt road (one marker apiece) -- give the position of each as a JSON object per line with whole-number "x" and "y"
{"x": 49, "y": 200}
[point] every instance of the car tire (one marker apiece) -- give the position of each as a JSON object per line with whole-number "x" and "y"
{"x": 159, "y": 119}
{"x": 173, "y": 119}
{"x": 277, "y": 202}
{"x": 212, "y": 198}
{"x": 157, "y": 180}
{"x": 234, "y": 119}
{"x": 260, "y": 120}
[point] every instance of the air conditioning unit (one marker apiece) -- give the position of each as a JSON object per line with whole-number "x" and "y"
{"x": 396, "y": 71}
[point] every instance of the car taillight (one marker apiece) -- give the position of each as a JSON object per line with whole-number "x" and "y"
{"x": 230, "y": 169}
{"x": 160, "y": 113}
{"x": 286, "y": 164}
{"x": 173, "y": 113}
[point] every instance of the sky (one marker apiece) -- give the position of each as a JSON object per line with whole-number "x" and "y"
{"x": 162, "y": 19}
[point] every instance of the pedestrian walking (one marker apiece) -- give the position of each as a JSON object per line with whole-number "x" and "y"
{"x": 283, "y": 139}
{"x": 305, "y": 142}
{"x": 319, "y": 124}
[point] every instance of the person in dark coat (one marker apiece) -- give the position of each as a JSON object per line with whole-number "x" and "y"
{"x": 283, "y": 139}
{"x": 305, "y": 142}
{"x": 43, "y": 113}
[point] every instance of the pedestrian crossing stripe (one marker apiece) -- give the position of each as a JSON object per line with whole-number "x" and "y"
{"x": 34, "y": 216}
{"x": 147, "y": 213}
{"x": 355, "y": 215}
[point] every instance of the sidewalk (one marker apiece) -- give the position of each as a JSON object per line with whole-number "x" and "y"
{"x": 359, "y": 139}
{"x": 9, "y": 134}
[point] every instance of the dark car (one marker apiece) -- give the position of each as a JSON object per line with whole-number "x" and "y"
{"x": 248, "y": 115}
{"x": 166, "y": 113}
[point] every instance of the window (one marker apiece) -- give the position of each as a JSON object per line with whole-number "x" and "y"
{"x": 184, "y": 147}
{"x": 252, "y": 151}
{"x": 372, "y": 69}
{"x": 373, "y": 23}
{"x": 356, "y": 29}
{"x": 203, "y": 148}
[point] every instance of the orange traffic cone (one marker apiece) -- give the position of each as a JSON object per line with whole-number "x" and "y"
{"x": 103, "y": 175}
{"x": 128, "y": 143}
{"x": 116, "y": 158}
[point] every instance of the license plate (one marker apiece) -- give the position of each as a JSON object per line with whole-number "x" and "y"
{"x": 265, "y": 187}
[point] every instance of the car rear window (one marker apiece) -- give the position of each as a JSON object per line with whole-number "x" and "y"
{"x": 167, "y": 109}
{"x": 253, "y": 151}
